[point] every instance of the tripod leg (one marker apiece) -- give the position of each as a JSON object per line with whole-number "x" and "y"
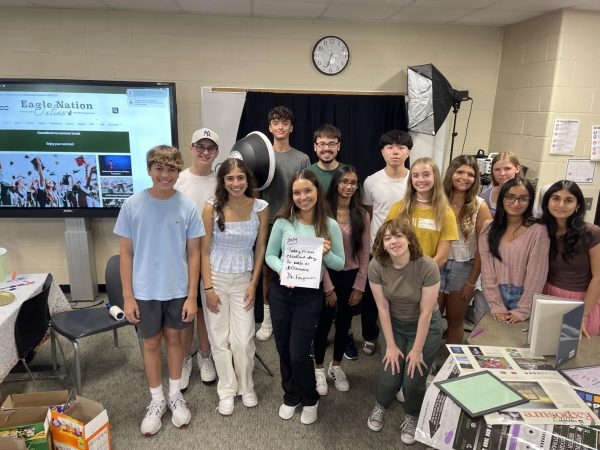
{"x": 262, "y": 362}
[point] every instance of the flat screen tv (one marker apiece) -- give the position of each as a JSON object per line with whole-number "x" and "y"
{"x": 77, "y": 148}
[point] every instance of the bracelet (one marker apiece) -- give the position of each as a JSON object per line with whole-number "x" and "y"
{"x": 469, "y": 284}
{"x": 208, "y": 288}
{"x": 330, "y": 294}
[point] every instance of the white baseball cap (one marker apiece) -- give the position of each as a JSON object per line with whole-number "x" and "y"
{"x": 205, "y": 133}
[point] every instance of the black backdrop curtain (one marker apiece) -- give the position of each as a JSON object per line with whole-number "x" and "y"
{"x": 362, "y": 119}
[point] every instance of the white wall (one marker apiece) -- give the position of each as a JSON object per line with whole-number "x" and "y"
{"x": 197, "y": 51}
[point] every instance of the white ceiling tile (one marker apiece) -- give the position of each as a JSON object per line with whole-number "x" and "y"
{"x": 412, "y": 14}
{"x": 490, "y": 17}
{"x": 73, "y": 4}
{"x": 15, "y": 3}
{"x": 273, "y": 8}
{"x": 218, "y": 7}
{"x": 454, "y": 4}
{"x": 534, "y": 5}
{"x": 144, "y": 5}
{"x": 359, "y": 12}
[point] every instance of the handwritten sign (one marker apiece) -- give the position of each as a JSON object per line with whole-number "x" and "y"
{"x": 302, "y": 260}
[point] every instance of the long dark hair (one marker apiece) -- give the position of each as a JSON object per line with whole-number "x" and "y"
{"x": 357, "y": 224}
{"x": 577, "y": 235}
{"x": 321, "y": 212}
{"x": 471, "y": 205}
{"x": 221, "y": 194}
{"x": 500, "y": 222}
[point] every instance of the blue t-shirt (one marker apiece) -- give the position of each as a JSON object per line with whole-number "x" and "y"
{"x": 159, "y": 230}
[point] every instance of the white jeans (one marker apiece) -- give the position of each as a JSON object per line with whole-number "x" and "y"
{"x": 231, "y": 334}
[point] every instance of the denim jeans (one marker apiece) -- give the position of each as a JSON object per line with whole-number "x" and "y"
{"x": 414, "y": 388}
{"x": 510, "y": 294}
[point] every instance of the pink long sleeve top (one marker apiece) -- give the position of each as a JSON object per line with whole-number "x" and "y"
{"x": 524, "y": 263}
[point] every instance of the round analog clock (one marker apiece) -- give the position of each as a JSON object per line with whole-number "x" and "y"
{"x": 330, "y": 55}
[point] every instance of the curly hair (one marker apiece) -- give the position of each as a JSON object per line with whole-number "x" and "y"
{"x": 321, "y": 209}
{"x": 281, "y": 113}
{"x": 577, "y": 235}
{"x": 166, "y": 155}
{"x": 471, "y": 205}
{"x": 396, "y": 227}
{"x": 221, "y": 194}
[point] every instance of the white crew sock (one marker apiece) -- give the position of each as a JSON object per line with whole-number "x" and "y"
{"x": 267, "y": 317}
{"x": 174, "y": 388}
{"x": 157, "y": 393}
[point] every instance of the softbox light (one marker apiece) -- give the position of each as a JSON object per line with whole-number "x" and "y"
{"x": 430, "y": 98}
{"x": 257, "y": 153}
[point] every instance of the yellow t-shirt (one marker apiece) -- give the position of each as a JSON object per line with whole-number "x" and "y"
{"x": 428, "y": 232}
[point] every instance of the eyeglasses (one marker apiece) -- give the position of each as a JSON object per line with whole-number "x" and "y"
{"x": 211, "y": 149}
{"x": 330, "y": 144}
{"x": 510, "y": 198}
{"x": 352, "y": 183}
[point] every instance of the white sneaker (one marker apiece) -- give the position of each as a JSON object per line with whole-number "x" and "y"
{"x": 249, "y": 399}
{"x": 186, "y": 371}
{"x": 339, "y": 378}
{"x": 153, "y": 418}
{"x": 226, "y": 405}
{"x": 322, "y": 387}
{"x": 375, "y": 420}
{"x": 180, "y": 414}
{"x": 208, "y": 374}
{"x": 264, "y": 332}
{"x": 286, "y": 412}
{"x": 309, "y": 414}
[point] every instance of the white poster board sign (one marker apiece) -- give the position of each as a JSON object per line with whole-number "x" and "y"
{"x": 564, "y": 137}
{"x": 302, "y": 260}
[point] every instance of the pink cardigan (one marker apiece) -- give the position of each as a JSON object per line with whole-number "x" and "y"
{"x": 524, "y": 263}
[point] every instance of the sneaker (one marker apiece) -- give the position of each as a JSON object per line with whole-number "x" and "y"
{"x": 286, "y": 412}
{"x": 153, "y": 418}
{"x": 249, "y": 399}
{"x": 408, "y": 428}
{"x": 208, "y": 374}
{"x": 339, "y": 378}
{"x": 322, "y": 387}
{"x": 309, "y": 414}
{"x": 350, "y": 352}
{"x": 375, "y": 420}
{"x": 186, "y": 371}
{"x": 264, "y": 332}
{"x": 400, "y": 396}
{"x": 369, "y": 347}
{"x": 180, "y": 414}
{"x": 226, "y": 405}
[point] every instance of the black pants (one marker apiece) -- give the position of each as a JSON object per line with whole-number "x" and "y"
{"x": 342, "y": 312}
{"x": 369, "y": 315}
{"x": 295, "y": 314}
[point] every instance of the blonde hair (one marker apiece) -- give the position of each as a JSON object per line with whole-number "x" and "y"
{"x": 508, "y": 157}
{"x": 166, "y": 155}
{"x": 439, "y": 202}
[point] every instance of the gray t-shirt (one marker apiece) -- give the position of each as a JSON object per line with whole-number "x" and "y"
{"x": 402, "y": 287}
{"x": 286, "y": 166}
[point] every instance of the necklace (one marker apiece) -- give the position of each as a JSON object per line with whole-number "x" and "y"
{"x": 422, "y": 201}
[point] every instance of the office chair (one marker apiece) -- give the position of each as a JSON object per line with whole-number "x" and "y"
{"x": 31, "y": 327}
{"x": 80, "y": 323}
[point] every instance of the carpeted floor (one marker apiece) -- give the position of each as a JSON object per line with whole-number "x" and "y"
{"x": 115, "y": 377}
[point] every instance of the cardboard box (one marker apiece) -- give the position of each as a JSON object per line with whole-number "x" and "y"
{"x": 28, "y": 425}
{"x": 82, "y": 426}
{"x": 33, "y": 399}
{"x": 12, "y": 444}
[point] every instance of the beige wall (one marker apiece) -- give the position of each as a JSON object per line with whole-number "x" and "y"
{"x": 549, "y": 70}
{"x": 198, "y": 51}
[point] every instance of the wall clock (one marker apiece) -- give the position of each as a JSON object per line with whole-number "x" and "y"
{"x": 330, "y": 55}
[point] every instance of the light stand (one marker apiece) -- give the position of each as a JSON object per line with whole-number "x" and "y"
{"x": 458, "y": 98}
